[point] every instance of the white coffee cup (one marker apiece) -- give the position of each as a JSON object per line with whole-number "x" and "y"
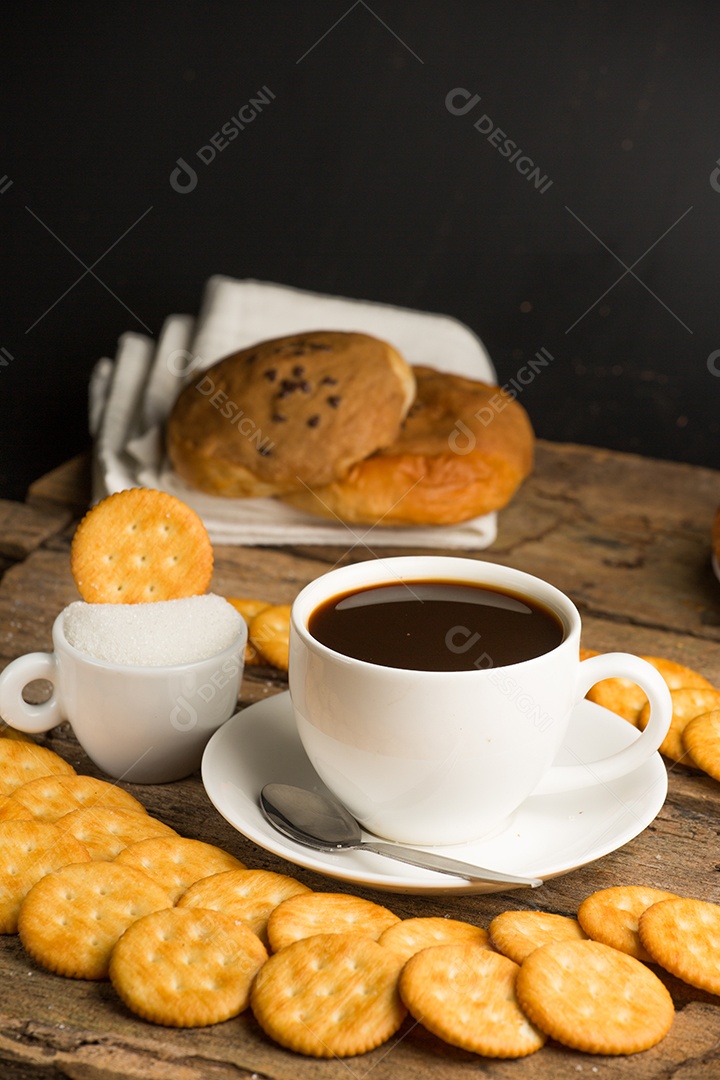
{"x": 146, "y": 725}
{"x": 444, "y": 757}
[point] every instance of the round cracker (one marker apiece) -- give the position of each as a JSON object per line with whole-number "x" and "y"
{"x": 683, "y": 936}
{"x": 71, "y": 919}
{"x": 326, "y": 913}
{"x": 612, "y": 915}
{"x": 627, "y": 699}
{"x": 701, "y": 739}
{"x": 21, "y": 761}
{"x": 620, "y": 696}
{"x": 593, "y": 998}
{"x": 678, "y": 675}
{"x": 186, "y": 967}
{"x": 140, "y": 545}
{"x": 516, "y": 934}
{"x": 247, "y": 606}
{"x": 12, "y": 810}
{"x": 410, "y": 936}
{"x": 28, "y": 851}
{"x": 249, "y": 896}
{"x": 49, "y": 798}
{"x": 465, "y": 994}
{"x": 270, "y": 635}
{"x": 330, "y": 995}
{"x": 106, "y": 830}
{"x": 176, "y": 862}
{"x": 687, "y": 703}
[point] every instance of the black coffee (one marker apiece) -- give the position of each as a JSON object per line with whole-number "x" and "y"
{"x": 436, "y": 626}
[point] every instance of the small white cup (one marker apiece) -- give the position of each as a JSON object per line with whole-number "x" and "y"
{"x": 438, "y": 757}
{"x": 146, "y": 725}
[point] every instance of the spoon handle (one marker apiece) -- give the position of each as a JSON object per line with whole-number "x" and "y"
{"x": 430, "y": 861}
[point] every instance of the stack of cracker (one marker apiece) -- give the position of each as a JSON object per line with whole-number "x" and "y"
{"x": 189, "y": 935}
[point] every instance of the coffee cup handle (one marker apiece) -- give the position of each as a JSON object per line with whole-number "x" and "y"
{"x": 14, "y": 709}
{"x": 561, "y": 778}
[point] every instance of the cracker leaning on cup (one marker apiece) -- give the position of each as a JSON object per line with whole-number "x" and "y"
{"x": 147, "y": 665}
{"x": 140, "y": 545}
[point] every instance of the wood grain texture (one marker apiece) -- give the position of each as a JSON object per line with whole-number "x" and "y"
{"x": 628, "y": 539}
{"x": 24, "y": 528}
{"x": 66, "y": 486}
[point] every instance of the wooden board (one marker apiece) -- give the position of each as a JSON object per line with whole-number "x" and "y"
{"x": 629, "y": 540}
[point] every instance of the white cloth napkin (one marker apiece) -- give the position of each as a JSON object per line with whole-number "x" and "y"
{"x": 132, "y": 395}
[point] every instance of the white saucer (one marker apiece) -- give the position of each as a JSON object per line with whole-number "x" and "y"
{"x": 547, "y": 836}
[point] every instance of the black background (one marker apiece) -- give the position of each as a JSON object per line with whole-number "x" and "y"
{"x": 357, "y": 180}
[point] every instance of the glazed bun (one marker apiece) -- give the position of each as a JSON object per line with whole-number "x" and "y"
{"x": 289, "y": 413}
{"x": 463, "y": 450}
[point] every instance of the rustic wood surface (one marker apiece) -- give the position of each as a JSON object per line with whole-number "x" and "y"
{"x": 628, "y": 539}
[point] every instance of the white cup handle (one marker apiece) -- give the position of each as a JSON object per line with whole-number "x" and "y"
{"x": 19, "y": 713}
{"x": 584, "y": 774}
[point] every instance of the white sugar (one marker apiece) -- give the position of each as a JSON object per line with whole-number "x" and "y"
{"x": 153, "y": 635}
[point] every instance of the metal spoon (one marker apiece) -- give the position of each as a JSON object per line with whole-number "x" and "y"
{"x": 320, "y": 822}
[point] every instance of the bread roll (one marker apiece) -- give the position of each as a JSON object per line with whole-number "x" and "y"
{"x": 289, "y": 413}
{"x": 463, "y": 451}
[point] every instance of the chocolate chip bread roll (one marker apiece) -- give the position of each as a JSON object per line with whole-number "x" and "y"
{"x": 293, "y": 412}
{"x": 463, "y": 451}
